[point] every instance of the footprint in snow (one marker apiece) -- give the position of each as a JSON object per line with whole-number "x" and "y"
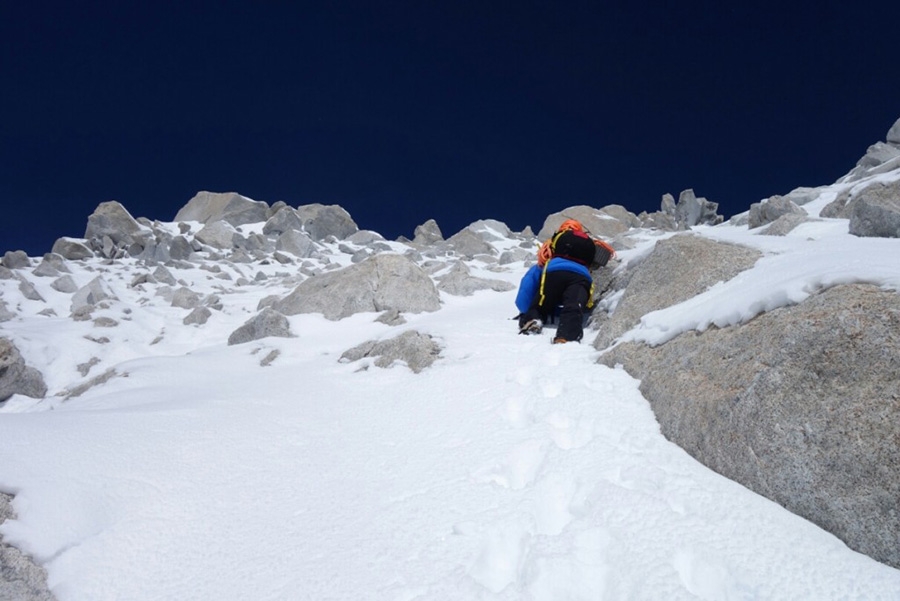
{"x": 551, "y": 388}
{"x": 524, "y": 376}
{"x": 567, "y": 433}
{"x": 554, "y": 503}
{"x": 518, "y": 469}
{"x": 497, "y": 564}
{"x": 581, "y": 570}
{"x": 517, "y": 412}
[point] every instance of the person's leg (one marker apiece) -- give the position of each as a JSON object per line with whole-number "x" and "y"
{"x": 571, "y": 319}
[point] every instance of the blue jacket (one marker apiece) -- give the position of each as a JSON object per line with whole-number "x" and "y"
{"x": 531, "y": 281}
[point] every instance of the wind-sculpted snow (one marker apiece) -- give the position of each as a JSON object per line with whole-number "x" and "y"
{"x": 776, "y": 281}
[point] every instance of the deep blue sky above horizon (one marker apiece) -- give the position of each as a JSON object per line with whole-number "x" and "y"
{"x": 405, "y": 111}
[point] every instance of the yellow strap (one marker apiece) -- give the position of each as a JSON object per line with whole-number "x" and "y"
{"x": 541, "y": 289}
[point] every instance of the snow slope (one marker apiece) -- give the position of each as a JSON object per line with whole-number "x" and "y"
{"x": 511, "y": 469}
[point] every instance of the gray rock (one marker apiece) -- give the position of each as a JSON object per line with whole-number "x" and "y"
{"x": 92, "y": 293}
{"x": 679, "y": 268}
{"x": 839, "y": 208}
{"x": 103, "y": 378}
{"x": 801, "y": 196}
{"x": 368, "y": 238}
{"x": 468, "y": 244}
{"x": 490, "y": 230}
{"x": 164, "y": 276}
{"x": 214, "y": 302}
{"x": 6, "y": 274}
{"x": 105, "y": 322}
{"x": 391, "y": 317}
{"x": 297, "y": 243}
{"x": 688, "y": 209}
{"x": 198, "y": 316}
{"x": 151, "y": 246}
{"x": 771, "y": 209}
{"x": 427, "y": 234}
{"x": 253, "y": 243}
{"x": 379, "y": 283}
{"x": 240, "y": 256}
{"x": 51, "y": 265}
{"x": 875, "y": 211}
{"x": 321, "y": 221}
{"x": 20, "y": 578}
{"x": 460, "y": 282}
{"x": 878, "y": 154}
{"x": 72, "y": 250}
{"x": 785, "y": 224}
{"x": 893, "y": 135}
{"x": 230, "y": 207}
{"x": 64, "y": 284}
{"x": 28, "y": 290}
{"x": 418, "y": 351}
{"x": 179, "y": 249}
{"x": 185, "y": 298}
{"x": 85, "y": 368}
{"x": 667, "y": 205}
{"x": 604, "y": 223}
{"x": 110, "y": 220}
{"x": 881, "y": 157}
{"x": 82, "y": 313}
{"x": 800, "y": 404}
{"x": 15, "y": 259}
{"x": 5, "y": 313}
{"x": 691, "y": 211}
{"x": 660, "y": 220}
{"x": 218, "y": 234}
{"x": 285, "y": 220}
{"x": 15, "y": 376}
{"x": 517, "y": 254}
{"x": 360, "y": 255}
{"x": 267, "y": 322}
{"x": 276, "y": 206}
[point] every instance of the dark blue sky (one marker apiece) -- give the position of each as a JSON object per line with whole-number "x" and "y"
{"x": 405, "y": 111}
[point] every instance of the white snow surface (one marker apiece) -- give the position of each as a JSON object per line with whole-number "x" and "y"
{"x": 510, "y": 469}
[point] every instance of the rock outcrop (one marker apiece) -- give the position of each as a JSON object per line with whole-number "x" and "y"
{"x": 428, "y": 233}
{"x": 762, "y": 213}
{"x": 207, "y": 207}
{"x": 605, "y": 223}
{"x": 460, "y": 282}
{"x": 266, "y": 323}
{"x": 321, "y": 221}
{"x": 875, "y": 211}
{"x": 690, "y": 210}
{"x": 414, "y": 349}
{"x": 111, "y": 226}
{"x": 881, "y": 157}
{"x": 379, "y": 283}
{"x": 801, "y": 404}
{"x": 677, "y": 269}
{"x": 15, "y": 376}
{"x": 20, "y": 578}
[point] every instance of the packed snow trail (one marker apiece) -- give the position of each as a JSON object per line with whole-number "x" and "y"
{"x": 511, "y": 469}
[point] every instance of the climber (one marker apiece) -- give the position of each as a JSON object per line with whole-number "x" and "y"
{"x": 561, "y": 283}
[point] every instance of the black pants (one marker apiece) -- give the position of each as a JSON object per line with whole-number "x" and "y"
{"x": 569, "y": 289}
